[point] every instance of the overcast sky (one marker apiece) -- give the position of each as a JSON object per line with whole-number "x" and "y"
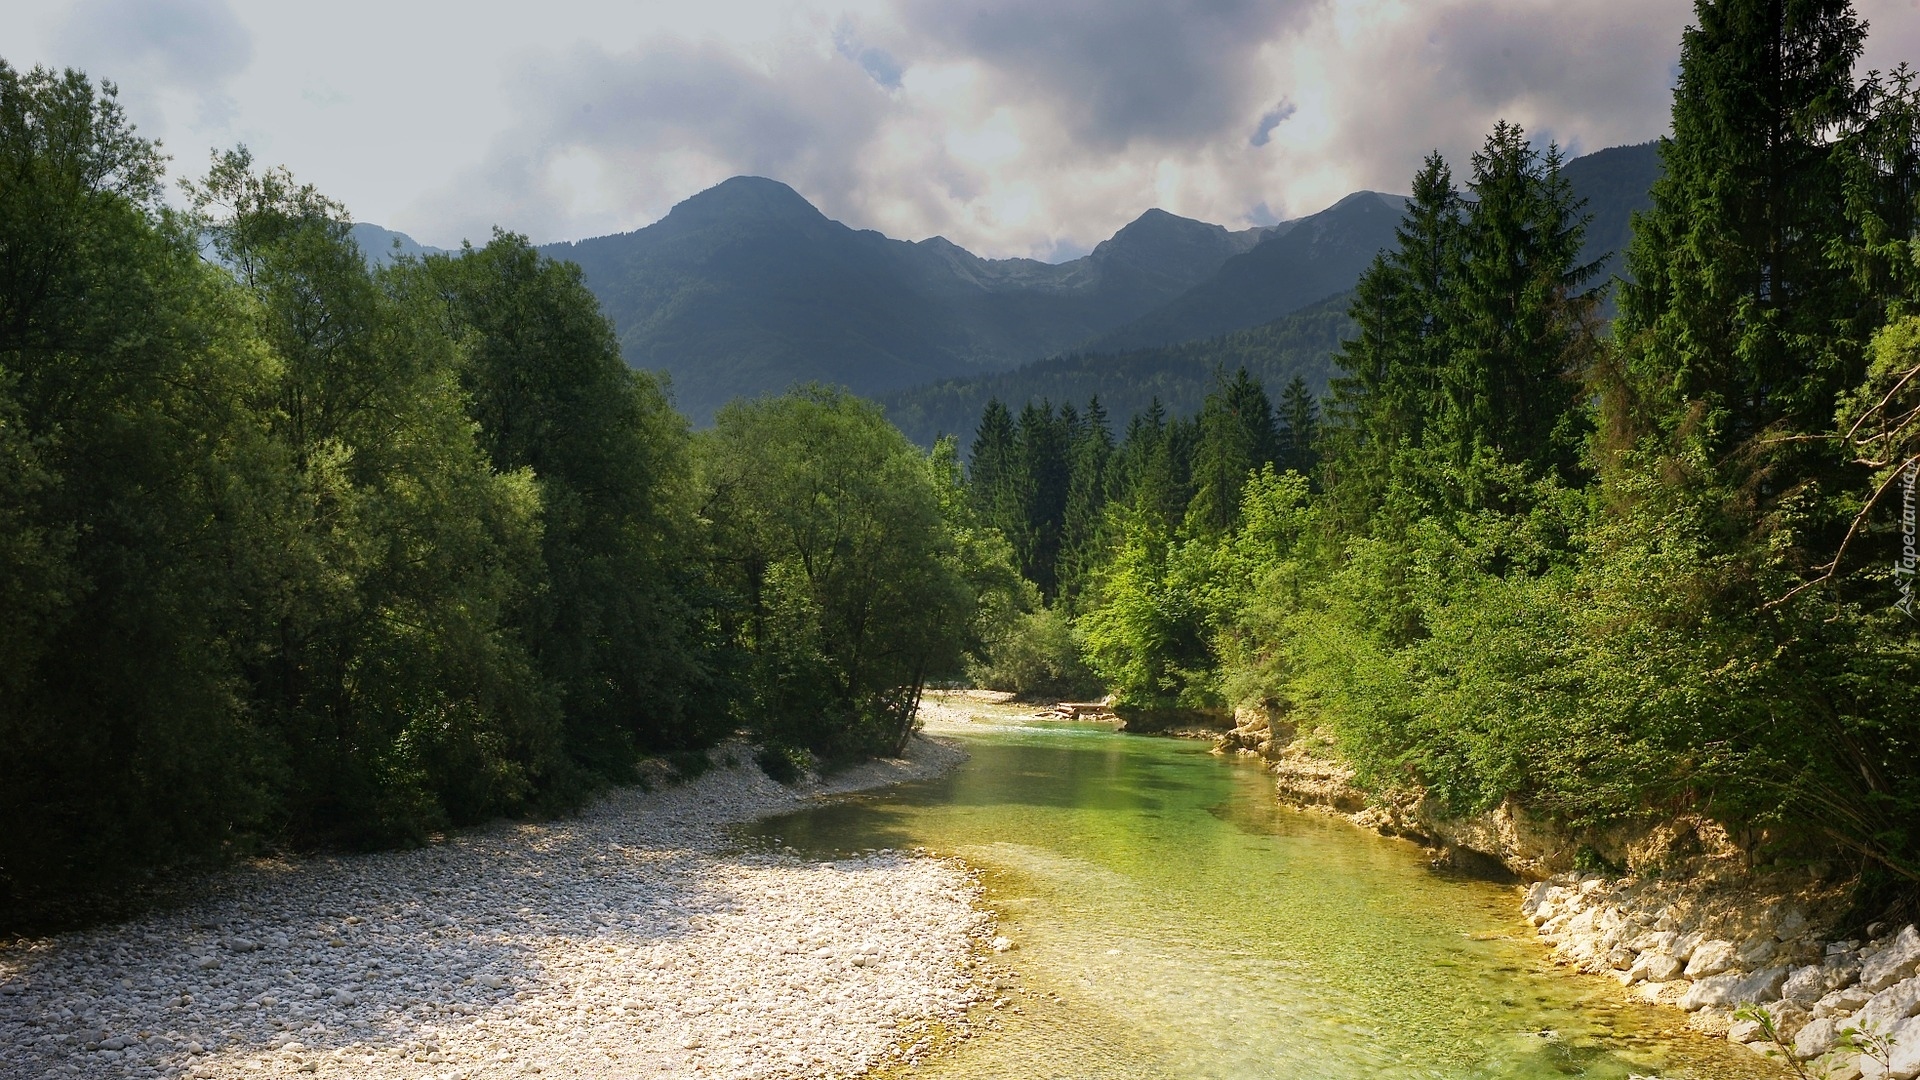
{"x": 1013, "y": 127}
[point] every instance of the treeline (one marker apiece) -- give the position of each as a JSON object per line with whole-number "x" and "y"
{"x": 1607, "y": 576}
{"x": 1177, "y": 377}
{"x": 296, "y": 551}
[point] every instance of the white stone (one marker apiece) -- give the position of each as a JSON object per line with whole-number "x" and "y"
{"x": 1789, "y": 923}
{"x": 1896, "y": 960}
{"x": 1755, "y": 953}
{"x": 1884, "y": 1011}
{"x": 1904, "y": 1062}
{"x": 1653, "y": 941}
{"x": 1735, "y": 989}
{"x": 1842, "y": 1002}
{"x": 1806, "y": 985}
{"x": 1819, "y": 1036}
{"x": 1711, "y": 958}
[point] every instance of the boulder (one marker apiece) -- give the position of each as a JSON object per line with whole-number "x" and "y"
{"x": 1819, "y": 1036}
{"x": 1712, "y": 958}
{"x": 1842, "y": 1002}
{"x": 1892, "y": 963}
{"x": 1653, "y": 967}
{"x": 1806, "y": 985}
{"x": 1886, "y": 1009}
{"x": 1788, "y": 923}
{"x": 1735, "y": 989}
{"x": 1904, "y": 1059}
{"x": 1788, "y": 1019}
{"x": 1653, "y": 941}
{"x": 1754, "y": 953}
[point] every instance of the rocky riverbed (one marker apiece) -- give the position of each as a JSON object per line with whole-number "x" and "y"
{"x": 1850, "y": 1008}
{"x": 633, "y": 940}
{"x": 1709, "y": 936}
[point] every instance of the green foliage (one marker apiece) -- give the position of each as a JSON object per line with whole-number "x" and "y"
{"x": 1607, "y": 580}
{"x": 1036, "y": 655}
{"x": 294, "y": 550}
{"x": 128, "y": 479}
{"x": 832, "y": 528}
{"x": 1301, "y": 344}
{"x": 782, "y": 764}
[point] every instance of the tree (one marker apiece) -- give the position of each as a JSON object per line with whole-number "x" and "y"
{"x": 1404, "y": 309}
{"x": 1299, "y": 422}
{"x": 129, "y": 474}
{"x": 1730, "y": 319}
{"x": 1237, "y": 436}
{"x": 380, "y": 661}
{"x": 1519, "y": 322}
{"x": 1087, "y": 487}
{"x": 834, "y": 525}
{"x": 612, "y": 626}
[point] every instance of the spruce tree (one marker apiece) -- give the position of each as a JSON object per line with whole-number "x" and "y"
{"x": 1729, "y": 318}
{"x": 1040, "y": 438}
{"x": 1092, "y": 451}
{"x": 1518, "y": 315}
{"x": 1403, "y": 309}
{"x": 1299, "y": 420}
{"x": 1236, "y": 436}
{"x": 994, "y": 478}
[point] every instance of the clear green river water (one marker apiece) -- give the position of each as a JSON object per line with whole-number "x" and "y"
{"x": 1191, "y": 927}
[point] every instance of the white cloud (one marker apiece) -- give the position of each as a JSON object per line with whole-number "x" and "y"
{"x": 1008, "y": 126}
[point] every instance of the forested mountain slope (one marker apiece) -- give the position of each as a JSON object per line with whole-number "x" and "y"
{"x": 1178, "y": 376}
{"x": 746, "y": 288}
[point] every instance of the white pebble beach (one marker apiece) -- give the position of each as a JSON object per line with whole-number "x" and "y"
{"x": 636, "y": 939}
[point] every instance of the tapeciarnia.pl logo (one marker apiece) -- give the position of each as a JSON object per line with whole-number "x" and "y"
{"x": 1903, "y": 570}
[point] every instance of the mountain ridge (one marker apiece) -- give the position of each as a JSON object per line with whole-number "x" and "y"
{"x": 747, "y": 288}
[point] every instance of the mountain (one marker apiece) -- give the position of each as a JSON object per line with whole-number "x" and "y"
{"x": 746, "y": 288}
{"x": 1316, "y": 258}
{"x": 1615, "y": 182}
{"x": 1297, "y": 258}
{"x": 1179, "y": 376}
{"x": 381, "y": 245}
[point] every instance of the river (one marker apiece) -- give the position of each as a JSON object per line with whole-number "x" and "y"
{"x": 1171, "y": 920}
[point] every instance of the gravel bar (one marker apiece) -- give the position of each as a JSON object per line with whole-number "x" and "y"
{"x": 633, "y": 940}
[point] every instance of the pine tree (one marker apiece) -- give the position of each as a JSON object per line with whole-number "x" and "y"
{"x": 1042, "y": 453}
{"x": 994, "y": 477}
{"x": 1299, "y": 420}
{"x": 1518, "y": 317}
{"x": 1236, "y": 436}
{"x": 1403, "y": 307}
{"x": 1729, "y": 319}
{"x": 1092, "y": 451}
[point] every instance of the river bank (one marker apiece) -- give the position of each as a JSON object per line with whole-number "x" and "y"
{"x": 632, "y": 940}
{"x": 1697, "y": 930}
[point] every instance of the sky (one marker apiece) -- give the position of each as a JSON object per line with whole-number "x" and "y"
{"x": 1011, "y": 127}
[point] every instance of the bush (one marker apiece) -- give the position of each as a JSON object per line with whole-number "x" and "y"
{"x": 1037, "y": 655}
{"x": 783, "y": 764}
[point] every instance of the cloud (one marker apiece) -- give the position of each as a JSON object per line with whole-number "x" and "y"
{"x": 598, "y": 135}
{"x": 877, "y": 63}
{"x": 1271, "y": 119}
{"x": 1116, "y": 72}
{"x": 153, "y": 47}
{"x": 1016, "y": 128}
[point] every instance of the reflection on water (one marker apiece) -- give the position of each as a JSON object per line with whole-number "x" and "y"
{"x": 1191, "y": 927}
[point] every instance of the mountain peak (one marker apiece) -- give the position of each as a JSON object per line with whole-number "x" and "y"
{"x": 749, "y": 198}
